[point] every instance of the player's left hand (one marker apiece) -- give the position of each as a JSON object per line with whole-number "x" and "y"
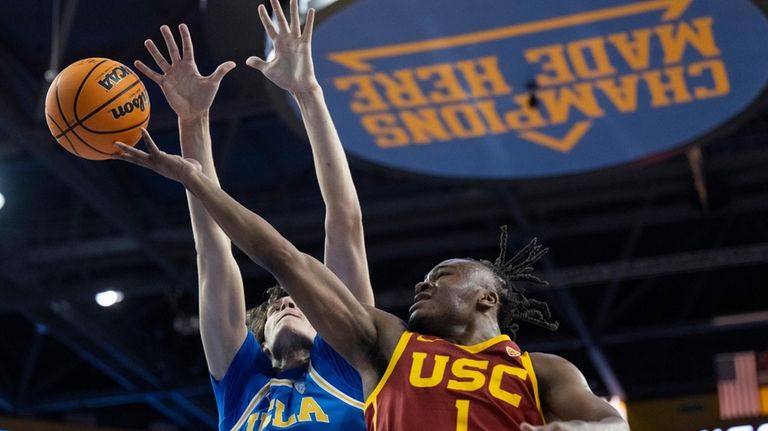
{"x": 291, "y": 68}
{"x": 168, "y": 165}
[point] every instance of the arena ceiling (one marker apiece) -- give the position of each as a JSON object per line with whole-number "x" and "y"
{"x": 647, "y": 283}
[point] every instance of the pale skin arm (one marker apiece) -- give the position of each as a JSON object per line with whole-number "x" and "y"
{"x": 356, "y": 331}
{"x": 292, "y": 70}
{"x": 222, "y": 298}
{"x": 567, "y": 401}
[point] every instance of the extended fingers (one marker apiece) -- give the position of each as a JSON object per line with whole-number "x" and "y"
{"x": 170, "y": 42}
{"x": 162, "y": 63}
{"x": 151, "y": 74}
{"x": 187, "y": 48}
{"x": 222, "y": 70}
{"x": 309, "y": 26}
{"x": 282, "y": 23}
{"x": 266, "y": 22}
{"x": 130, "y": 154}
{"x": 295, "y": 22}
{"x": 149, "y": 142}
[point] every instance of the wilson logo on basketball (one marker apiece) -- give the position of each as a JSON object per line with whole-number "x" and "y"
{"x": 116, "y": 75}
{"x": 138, "y": 102}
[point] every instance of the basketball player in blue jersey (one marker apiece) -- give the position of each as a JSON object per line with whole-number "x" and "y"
{"x": 281, "y": 375}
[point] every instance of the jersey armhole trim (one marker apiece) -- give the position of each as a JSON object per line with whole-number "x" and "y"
{"x": 399, "y": 349}
{"x": 328, "y": 387}
{"x": 528, "y": 364}
{"x": 251, "y": 405}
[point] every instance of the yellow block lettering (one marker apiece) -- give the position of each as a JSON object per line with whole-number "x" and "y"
{"x": 674, "y": 42}
{"x": 465, "y": 368}
{"x": 675, "y": 84}
{"x": 720, "y": 83}
{"x": 385, "y": 129}
{"x": 494, "y": 387}
{"x": 623, "y": 94}
{"x": 554, "y": 62}
{"x": 366, "y": 97}
{"x": 252, "y": 418}
{"x": 424, "y": 126}
{"x": 484, "y": 77}
{"x": 635, "y": 52}
{"x": 279, "y": 420}
{"x": 266, "y": 419}
{"x": 463, "y": 121}
{"x": 446, "y": 88}
{"x": 526, "y": 117}
{"x": 310, "y": 407}
{"x": 401, "y": 88}
{"x": 600, "y": 64}
{"x": 560, "y": 101}
{"x": 415, "y": 378}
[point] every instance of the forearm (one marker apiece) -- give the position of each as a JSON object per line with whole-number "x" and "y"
{"x": 344, "y": 241}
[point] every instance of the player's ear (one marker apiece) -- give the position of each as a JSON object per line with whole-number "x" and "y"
{"x": 488, "y": 299}
{"x": 266, "y": 350}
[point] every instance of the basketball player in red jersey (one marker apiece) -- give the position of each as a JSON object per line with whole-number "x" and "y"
{"x": 451, "y": 367}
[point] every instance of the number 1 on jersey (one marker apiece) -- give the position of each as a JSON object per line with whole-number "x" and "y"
{"x": 462, "y": 415}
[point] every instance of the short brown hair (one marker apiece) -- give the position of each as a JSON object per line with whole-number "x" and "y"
{"x": 256, "y": 317}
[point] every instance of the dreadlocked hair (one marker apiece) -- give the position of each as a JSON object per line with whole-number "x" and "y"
{"x": 256, "y": 317}
{"x": 514, "y": 305}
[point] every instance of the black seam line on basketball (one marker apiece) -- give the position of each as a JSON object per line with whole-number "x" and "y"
{"x": 96, "y": 111}
{"x": 80, "y": 89}
{"x": 89, "y": 145}
{"x": 106, "y": 132}
{"x": 74, "y": 150}
{"x": 58, "y": 104}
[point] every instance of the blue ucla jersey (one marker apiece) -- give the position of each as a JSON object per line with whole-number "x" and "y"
{"x": 325, "y": 396}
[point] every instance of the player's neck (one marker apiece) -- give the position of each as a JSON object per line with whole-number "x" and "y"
{"x": 294, "y": 358}
{"x": 474, "y": 333}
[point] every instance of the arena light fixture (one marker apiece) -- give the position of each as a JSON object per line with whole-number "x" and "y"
{"x": 2, "y": 201}
{"x": 109, "y": 298}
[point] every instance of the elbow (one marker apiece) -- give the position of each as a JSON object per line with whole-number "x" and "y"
{"x": 344, "y": 220}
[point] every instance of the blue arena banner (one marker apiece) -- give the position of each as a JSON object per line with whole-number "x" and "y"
{"x": 511, "y": 89}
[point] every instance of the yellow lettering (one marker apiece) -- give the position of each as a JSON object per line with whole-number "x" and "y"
{"x": 494, "y": 387}
{"x": 674, "y": 43}
{"x": 266, "y": 419}
{"x": 721, "y": 85}
{"x": 595, "y": 46}
{"x": 310, "y": 407}
{"x": 555, "y": 62}
{"x": 401, "y": 88}
{"x": 366, "y": 98}
{"x": 560, "y": 101}
{"x": 465, "y": 368}
{"x": 415, "y": 378}
{"x": 526, "y": 117}
{"x": 279, "y": 421}
{"x": 484, "y": 77}
{"x": 635, "y": 52}
{"x": 463, "y": 121}
{"x": 623, "y": 94}
{"x": 447, "y": 87}
{"x": 385, "y": 129}
{"x": 424, "y": 126}
{"x": 462, "y": 415}
{"x": 252, "y": 421}
{"x": 675, "y": 84}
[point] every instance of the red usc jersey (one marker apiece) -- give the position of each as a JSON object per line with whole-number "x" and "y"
{"x": 434, "y": 385}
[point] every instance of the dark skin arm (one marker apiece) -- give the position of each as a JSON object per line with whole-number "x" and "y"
{"x": 567, "y": 401}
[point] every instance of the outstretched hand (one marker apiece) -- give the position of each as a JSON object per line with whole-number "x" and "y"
{"x": 168, "y": 165}
{"x": 189, "y": 93}
{"x": 291, "y": 68}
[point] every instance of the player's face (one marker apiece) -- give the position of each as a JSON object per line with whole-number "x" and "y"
{"x": 448, "y": 297}
{"x": 285, "y": 320}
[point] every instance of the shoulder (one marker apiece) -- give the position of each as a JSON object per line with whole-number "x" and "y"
{"x": 552, "y": 370}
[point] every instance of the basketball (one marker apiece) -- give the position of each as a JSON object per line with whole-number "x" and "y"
{"x": 94, "y": 102}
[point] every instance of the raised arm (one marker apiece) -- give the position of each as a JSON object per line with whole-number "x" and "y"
{"x": 292, "y": 70}
{"x": 567, "y": 401}
{"x": 354, "y": 330}
{"x": 221, "y": 295}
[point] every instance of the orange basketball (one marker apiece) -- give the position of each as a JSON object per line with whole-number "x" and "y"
{"x": 94, "y": 102}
